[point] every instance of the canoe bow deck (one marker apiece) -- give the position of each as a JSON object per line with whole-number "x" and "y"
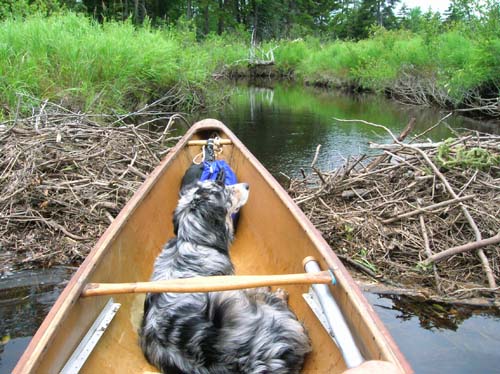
{"x": 273, "y": 237}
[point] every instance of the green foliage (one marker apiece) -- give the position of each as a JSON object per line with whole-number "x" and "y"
{"x": 361, "y": 258}
{"x": 455, "y": 62}
{"x": 290, "y": 54}
{"x": 23, "y": 8}
{"x": 109, "y": 65}
{"x": 224, "y": 51}
{"x": 459, "y": 156}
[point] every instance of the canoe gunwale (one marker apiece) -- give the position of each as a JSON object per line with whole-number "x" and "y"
{"x": 63, "y": 305}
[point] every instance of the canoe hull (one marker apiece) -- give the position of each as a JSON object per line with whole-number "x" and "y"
{"x": 273, "y": 237}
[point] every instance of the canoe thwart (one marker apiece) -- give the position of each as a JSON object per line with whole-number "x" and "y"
{"x": 208, "y": 284}
{"x": 205, "y": 142}
{"x": 326, "y": 309}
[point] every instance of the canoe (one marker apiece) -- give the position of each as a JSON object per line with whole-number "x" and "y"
{"x": 273, "y": 237}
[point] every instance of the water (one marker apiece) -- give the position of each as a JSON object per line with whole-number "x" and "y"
{"x": 439, "y": 339}
{"x": 25, "y": 299}
{"x": 282, "y": 125}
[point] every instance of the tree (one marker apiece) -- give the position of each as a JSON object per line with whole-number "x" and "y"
{"x": 411, "y": 19}
{"x": 460, "y": 10}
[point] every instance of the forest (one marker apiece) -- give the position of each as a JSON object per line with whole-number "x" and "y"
{"x": 276, "y": 19}
{"x": 102, "y": 55}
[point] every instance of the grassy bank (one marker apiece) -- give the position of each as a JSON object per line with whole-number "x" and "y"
{"x": 450, "y": 69}
{"x": 117, "y": 66}
{"x": 87, "y": 65}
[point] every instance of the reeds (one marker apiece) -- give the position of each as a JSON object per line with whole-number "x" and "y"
{"x": 85, "y": 65}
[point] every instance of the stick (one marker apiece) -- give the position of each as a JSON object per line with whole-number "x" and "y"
{"x": 428, "y": 251}
{"x": 463, "y": 248}
{"x": 207, "y": 284}
{"x": 400, "y": 138}
{"x": 397, "y": 146}
{"x": 382, "y": 289}
{"x": 427, "y": 208}
{"x": 431, "y": 128}
{"x": 313, "y": 165}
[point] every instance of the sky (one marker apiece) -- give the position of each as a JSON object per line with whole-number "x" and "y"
{"x": 436, "y": 5}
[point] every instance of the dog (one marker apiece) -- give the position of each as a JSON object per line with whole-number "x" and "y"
{"x": 248, "y": 331}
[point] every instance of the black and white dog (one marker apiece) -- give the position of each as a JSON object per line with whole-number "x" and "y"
{"x": 250, "y": 331}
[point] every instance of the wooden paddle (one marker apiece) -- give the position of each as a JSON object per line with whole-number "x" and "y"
{"x": 208, "y": 284}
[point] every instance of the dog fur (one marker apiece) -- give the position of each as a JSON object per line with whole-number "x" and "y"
{"x": 250, "y": 331}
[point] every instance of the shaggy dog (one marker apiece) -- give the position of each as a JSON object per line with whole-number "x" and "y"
{"x": 250, "y": 331}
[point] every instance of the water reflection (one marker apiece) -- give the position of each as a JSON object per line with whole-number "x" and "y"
{"x": 432, "y": 315}
{"x": 437, "y": 338}
{"x": 283, "y": 123}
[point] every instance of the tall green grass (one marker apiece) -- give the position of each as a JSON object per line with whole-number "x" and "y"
{"x": 118, "y": 66}
{"x": 89, "y": 65}
{"x": 455, "y": 62}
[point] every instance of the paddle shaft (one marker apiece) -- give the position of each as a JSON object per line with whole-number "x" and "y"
{"x": 207, "y": 284}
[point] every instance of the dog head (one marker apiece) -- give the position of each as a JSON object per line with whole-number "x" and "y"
{"x": 203, "y": 214}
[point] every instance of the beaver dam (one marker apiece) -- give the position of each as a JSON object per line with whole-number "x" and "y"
{"x": 64, "y": 176}
{"x": 421, "y": 218}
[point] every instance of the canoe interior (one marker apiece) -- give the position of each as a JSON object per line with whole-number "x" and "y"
{"x": 270, "y": 240}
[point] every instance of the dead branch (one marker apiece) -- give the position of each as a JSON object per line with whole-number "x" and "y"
{"x": 428, "y": 208}
{"x": 463, "y": 248}
{"x": 313, "y": 165}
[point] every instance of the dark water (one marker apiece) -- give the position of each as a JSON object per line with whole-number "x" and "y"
{"x": 282, "y": 126}
{"x": 438, "y": 339}
{"x": 25, "y": 299}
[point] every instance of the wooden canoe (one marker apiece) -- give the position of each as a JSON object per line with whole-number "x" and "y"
{"x": 273, "y": 237}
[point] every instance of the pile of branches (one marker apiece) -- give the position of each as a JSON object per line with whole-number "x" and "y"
{"x": 416, "y": 89}
{"x": 64, "y": 176}
{"x": 423, "y": 217}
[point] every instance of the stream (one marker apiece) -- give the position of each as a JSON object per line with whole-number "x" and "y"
{"x": 282, "y": 124}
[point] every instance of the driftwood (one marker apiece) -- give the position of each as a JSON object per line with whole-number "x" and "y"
{"x": 428, "y": 208}
{"x": 406, "y": 131}
{"x": 422, "y": 294}
{"x": 410, "y": 209}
